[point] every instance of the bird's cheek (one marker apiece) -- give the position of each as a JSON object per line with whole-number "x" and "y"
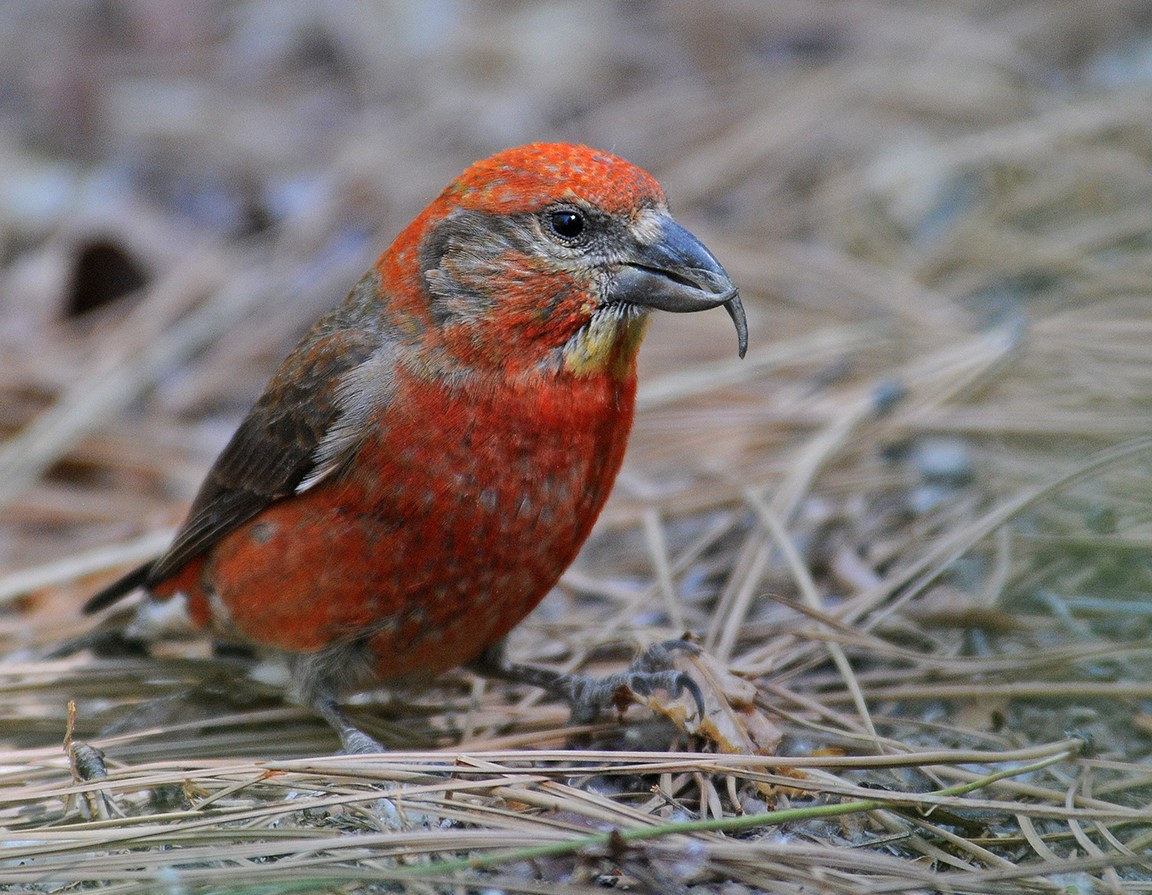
{"x": 532, "y": 313}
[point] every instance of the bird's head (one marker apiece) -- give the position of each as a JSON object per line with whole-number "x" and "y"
{"x": 548, "y": 257}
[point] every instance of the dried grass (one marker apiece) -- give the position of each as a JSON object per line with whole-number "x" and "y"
{"x": 917, "y": 515}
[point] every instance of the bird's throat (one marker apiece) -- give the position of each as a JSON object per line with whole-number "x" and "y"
{"x": 607, "y": 343}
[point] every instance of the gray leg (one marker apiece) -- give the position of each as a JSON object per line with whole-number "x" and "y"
{"x": 353, "y": 740}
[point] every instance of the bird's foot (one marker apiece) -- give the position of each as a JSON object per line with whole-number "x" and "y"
{"x": 587, "y": 694}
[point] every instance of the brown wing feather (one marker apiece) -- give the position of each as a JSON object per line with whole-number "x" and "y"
{"x": 271, "y": 453}
{"x": 275, "y": 447}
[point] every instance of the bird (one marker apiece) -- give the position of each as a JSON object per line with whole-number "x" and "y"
{"x": 428, "y": 460}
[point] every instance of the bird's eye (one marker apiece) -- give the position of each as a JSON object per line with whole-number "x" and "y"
{"x": 566, "y": 223}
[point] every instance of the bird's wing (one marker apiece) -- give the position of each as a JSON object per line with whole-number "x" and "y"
{"x": 298, "y": 433}
{"x": 278, "y": 444}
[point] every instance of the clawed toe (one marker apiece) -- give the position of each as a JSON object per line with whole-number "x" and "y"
{"x": 651, "y": 671}
{"x": 645, "y": 683}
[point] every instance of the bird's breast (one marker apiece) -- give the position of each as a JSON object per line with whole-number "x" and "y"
{"x": 456, "y": 516}
{"x": 490, "y": 462}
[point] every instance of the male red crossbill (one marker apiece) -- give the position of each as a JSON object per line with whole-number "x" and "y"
{"x": 429, "y": 459}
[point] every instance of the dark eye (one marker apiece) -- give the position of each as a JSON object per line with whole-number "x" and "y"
{"x": 566, "y": 223}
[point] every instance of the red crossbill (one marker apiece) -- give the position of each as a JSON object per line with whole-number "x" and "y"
{"x": 429, "y": 459}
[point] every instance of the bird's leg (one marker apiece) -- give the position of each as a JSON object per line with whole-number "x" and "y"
{"x": 587, "y": 694}
{"x": 317, "y": 680}
{"x": 353, "y": 741}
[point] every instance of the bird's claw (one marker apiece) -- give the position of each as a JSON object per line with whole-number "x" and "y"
{"x": 587, "y": 694}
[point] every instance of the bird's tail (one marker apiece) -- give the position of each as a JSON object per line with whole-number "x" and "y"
{"x": 118, "y": 589}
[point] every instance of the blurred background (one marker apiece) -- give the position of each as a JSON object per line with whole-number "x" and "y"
{"x": 919, "y": 508}
{"x": 938, "y": 214}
